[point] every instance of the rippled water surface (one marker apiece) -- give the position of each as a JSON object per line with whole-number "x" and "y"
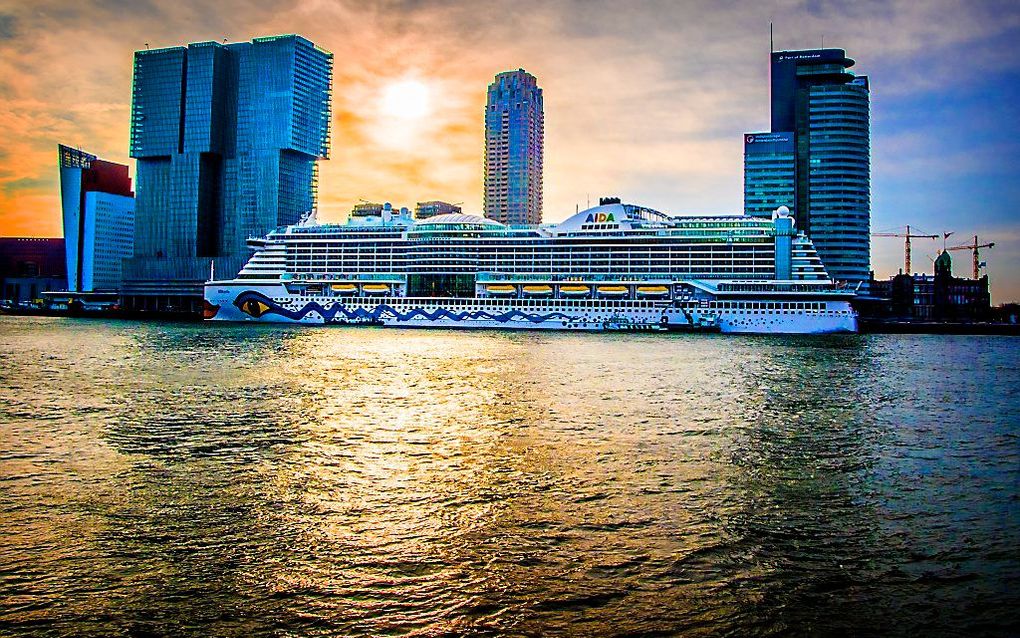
{"x": 177, "y": 479}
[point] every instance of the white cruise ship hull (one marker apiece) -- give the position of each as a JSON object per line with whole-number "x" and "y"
{"x": 233, "y": 301}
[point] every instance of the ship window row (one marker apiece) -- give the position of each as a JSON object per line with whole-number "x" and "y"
{"x": 758, "y": 230}
{"x": 723, "y": 252}
{"x": 724, "y": 249}
{"x": 550, "y": 249}
{"x": 604, "y": 266}
{"x": 525, "y": 265}
{"x": 710, "y": 273}
{"x": 767, "y": 305}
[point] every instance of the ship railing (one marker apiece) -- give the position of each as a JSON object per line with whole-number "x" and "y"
{"x": 360, "y": 276}
{"x": 814, "y": 287}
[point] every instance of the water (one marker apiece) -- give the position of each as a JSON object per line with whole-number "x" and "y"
{"x": 176, "y": 479}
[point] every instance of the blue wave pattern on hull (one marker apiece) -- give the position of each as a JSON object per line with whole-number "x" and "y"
{"x": 333, "y": 310}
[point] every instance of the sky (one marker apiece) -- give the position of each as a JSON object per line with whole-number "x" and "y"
{"x": 646, "y": 100}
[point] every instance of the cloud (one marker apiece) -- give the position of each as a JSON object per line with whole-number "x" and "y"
{"x": 7, "y": 26}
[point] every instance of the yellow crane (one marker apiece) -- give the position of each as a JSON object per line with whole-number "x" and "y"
{"x": 906, "y": 244}
{"x": 974, "y": 247}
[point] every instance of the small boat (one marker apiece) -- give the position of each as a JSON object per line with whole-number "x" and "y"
{"x": 612, "y": 291}
{"x": 375, "y": 289}
{"x": 652, "y": 291}
{"x": 343, "y": 288}
{"x": 501, "y": 290}
{"x": 574, "y": 291}
{"x": 536, "y": 291}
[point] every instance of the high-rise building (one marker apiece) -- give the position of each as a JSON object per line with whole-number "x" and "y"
{"x": 98, "y": 209}
{"x": 514, "y": 139}
{"x": 769, "y": 171}
{"x": 227, "y": 138}
{"x": 825, "y": 109}
{"x": 425, "y": 210}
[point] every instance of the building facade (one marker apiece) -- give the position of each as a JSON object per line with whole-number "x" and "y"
{"x": 30, "y": 266}
{"x": 769, "y": 173}
{"x": 227, "y": 138}
{"x": 938, "y": 297}
{"x": 98, "y": 213}
{"x": 514, "y": 143}
{"x": 823, "y": 109}
{"x": 424, "y": 210}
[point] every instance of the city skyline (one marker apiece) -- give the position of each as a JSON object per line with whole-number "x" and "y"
{"x": 657, "y": 119}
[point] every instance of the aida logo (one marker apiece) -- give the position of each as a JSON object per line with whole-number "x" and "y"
{"x": 598, "y": 218}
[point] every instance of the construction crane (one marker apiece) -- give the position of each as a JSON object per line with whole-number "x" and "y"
{"x": 975, "y": 247}
{"x": 906, "y": 244}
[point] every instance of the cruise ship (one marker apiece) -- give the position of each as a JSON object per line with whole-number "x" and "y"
{"x": 616, "y": 266}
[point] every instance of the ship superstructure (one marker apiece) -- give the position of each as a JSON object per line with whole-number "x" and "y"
{"x": 615, "y": 265}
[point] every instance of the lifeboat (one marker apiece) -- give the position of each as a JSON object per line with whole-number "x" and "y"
{"x": 375, "y": 289}
{"x": 574, "y": 291}
{"x": 652, "y": 291}
{"x": 612, "y": 291}
{"x": 536, "y": 291}
{"x": 501, "y": 289}
{"x": 346, "y": 288}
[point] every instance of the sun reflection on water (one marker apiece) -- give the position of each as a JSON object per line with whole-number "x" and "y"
{"x": 261, "y": 480}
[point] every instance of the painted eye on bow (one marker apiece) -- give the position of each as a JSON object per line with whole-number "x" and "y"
{"x": 209, "y": 310}
{"x": 254, "y": 308}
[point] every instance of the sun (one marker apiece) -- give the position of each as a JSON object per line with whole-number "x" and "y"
{"x": 406, "y": 99}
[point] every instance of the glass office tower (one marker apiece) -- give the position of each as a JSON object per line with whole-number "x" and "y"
{"x": 227, "y": 138}
{"x": 514, "y": 141}
{"x": 769, "y": 173}
{"x": 826, "y": 108}
{"x": 98, "y": 212}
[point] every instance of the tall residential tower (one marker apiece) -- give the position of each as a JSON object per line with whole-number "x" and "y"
{"x": 227, "y": 137}
{"x": 514, "y": 139}
{"x": 817, "y": 158}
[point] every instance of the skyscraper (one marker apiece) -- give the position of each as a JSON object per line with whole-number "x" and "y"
{"x": 227, "y": 138}
{"x": 514, "y": 139}
{"x": 769, "y": 172}
{"x": 825, "y": 109}
{"x": 98, "y": 211}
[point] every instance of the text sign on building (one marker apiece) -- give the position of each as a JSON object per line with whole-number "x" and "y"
{"x": 764, "y": 138}
{"x": 814, "y": 55}
{"x": 768, "y": 142}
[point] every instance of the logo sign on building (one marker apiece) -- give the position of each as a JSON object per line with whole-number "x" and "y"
{"x": 817, "y": 55}
{"x": 768, "y": 143}
{"x": 598, "y": 218}
{"x": 767, "y": 138}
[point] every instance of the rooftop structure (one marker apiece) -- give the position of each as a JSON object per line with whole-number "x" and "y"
{"x": 433, "y": 208}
